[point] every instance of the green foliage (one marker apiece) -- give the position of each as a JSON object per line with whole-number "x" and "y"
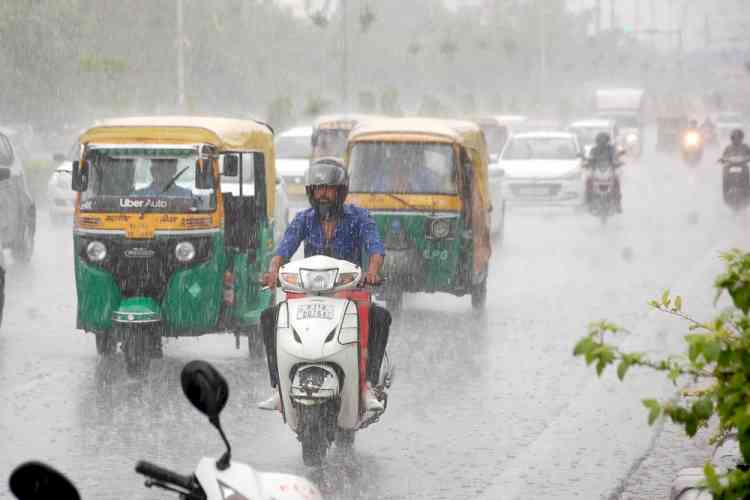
{"x": 717, "y": 353}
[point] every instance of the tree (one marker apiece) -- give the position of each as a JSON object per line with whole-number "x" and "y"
{"x": 718, "y": 353}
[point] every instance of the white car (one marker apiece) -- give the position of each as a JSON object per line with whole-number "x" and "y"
{"x": 293, "y": 152}
{"x": 281, "y": 208}
{"x": 60, "y": 195}
{"x": 543, "y": 168}
{"x": 17, "y": 207}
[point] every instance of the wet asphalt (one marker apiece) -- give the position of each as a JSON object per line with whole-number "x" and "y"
{"x": 488, "y": 405}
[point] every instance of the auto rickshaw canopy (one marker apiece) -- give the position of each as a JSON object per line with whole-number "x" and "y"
{"x": 226, "y": 134}
{"x": 466, "y": 134}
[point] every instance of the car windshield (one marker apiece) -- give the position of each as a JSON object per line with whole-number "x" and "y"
{"x": 144, "y": 180}
{"x": 540, "y": 148}
{"x": 392, "y": 167}
{"x": 293, "y": 147}
{"x": 330, "y": 142}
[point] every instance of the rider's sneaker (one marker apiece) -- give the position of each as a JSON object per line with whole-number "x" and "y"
{"x": 371, "y": 401}
{"x": 271, "y": 404}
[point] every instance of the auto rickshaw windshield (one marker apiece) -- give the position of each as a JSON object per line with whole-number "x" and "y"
{"x": 410, "y": 168}
{"x": 144, "y": 180}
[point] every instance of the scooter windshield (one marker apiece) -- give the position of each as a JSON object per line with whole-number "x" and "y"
{"x": 128, "y": 179}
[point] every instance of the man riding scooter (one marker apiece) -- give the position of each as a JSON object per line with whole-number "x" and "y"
{"x": 605, "y": 151}
{"x": 335, "y": 229}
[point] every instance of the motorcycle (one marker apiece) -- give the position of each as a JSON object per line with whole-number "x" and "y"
{"x": 321, "y": 347}
{"x": 602, "y": 201}
{"x": 692, "y": 147}
{"x": 736, "y": 181}
{"x": 213, "y": 479}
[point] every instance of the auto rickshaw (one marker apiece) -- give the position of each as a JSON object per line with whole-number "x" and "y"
{"x": 330, "y": 132}
{"x": 160, "y": 250}
{"x": 496, "y": 133}
{"x": 425, "y": 184}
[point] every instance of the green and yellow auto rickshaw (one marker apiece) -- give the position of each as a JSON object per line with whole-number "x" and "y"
{"x": 162, "y": 249}
{"x": 425, "y": 184}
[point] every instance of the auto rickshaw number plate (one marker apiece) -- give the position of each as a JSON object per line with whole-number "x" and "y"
{"x": 140, "y": 230}
{"x": 315, "y": 311}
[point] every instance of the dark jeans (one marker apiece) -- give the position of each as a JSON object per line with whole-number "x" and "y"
{"x": 380, "y": 324}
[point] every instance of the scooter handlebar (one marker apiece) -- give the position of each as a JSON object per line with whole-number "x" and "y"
{"x": 164, "y": 475}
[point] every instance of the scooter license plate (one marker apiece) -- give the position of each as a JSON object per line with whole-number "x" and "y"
{"x": 315, "y": 311}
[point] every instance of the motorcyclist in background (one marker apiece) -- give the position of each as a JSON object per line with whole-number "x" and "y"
{"x": 604, "y": 151}
{"x": 331, "y": 227}
{"x": 708, "y": 129}
{"x": 737, "y": 146}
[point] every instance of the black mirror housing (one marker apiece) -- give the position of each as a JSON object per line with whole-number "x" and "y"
{"x": 80, "y": 177}
{"x": 37, "y": 481}
{"x": 204, "y": 176}
{"x": 4, "y": 174}
{"x": 231, "y": 165}
{"x": 205, "y": 388}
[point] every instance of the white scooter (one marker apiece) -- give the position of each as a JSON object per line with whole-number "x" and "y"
{"x": 321, "y": 348}
{"x": 207, "y": 390}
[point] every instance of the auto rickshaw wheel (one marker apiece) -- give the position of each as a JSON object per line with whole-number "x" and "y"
{"x": 479, "y": 294}
{"x": 105, "y": 343}
{"x": 136, "y": 347}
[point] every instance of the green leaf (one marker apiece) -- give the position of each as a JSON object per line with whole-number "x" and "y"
{"x": 712, "y": 479}
{"x": 703, "y": 408}
{"x": 691, "y": 427}
{"x": 600, "y": 366}
{"x": 654, "y": 410}
{"x": 678, "y": 304}
{"x": 622, "y": 369}
{"x": 711, "y": 350}
{"x": 665, "y": 300}
{"x": 583, "y": 346}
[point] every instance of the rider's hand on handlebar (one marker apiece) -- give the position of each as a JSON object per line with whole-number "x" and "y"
{"x": 269, "y": 279}
{"x": 371, "y": 278}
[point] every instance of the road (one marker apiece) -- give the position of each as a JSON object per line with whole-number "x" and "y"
{"x": 488, "y": 406}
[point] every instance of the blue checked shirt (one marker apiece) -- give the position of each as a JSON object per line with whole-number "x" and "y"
{"x": 356, "y": 232}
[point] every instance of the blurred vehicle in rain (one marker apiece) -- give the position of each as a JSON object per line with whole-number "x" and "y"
{"x": 496, "y": 132}
{"x": 425, "y": 182}
{"x": 725, "y": 122}
{"x": 330, "y": 132}
{"x": 164, "y": 250}
{"x": 692, "y": 144}
{"x": 603, "y": 196}
{"x": 736, "y": 180}
{"x": 543, "y": 168}
{"x": 2, "y": 280}
{"x": 60, "y": 196}
{"x": 231, "y": 184}
{"x": 672, "y": 118}
{"x": 587, "y": 130}
{"x": 293, "y": 153}
{"x": 625, "y": 107}
{"x": 17, "y": 207}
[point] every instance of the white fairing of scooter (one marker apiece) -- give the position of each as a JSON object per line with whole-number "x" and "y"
{"x": 319, "y": 332}
{"x": 241, "y": 479}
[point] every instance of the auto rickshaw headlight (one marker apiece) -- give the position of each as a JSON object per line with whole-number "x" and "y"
{"x": 440, "y": 228}
{"x": 96, "y": 251}
{"x": 184, "y": 251}
{"x": 631, "y": 138}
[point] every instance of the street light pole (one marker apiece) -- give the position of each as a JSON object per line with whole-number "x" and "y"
{"x": 180, "y": 58}
{"x": 345, "y": 55}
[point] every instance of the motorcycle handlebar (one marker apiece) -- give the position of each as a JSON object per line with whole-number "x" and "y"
{"x": 164, "y": 475}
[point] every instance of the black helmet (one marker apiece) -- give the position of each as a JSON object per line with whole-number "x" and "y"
{"x": 327, "y": 172}
{"x": 737, "y": 136}
{"x": 602, "y": 139}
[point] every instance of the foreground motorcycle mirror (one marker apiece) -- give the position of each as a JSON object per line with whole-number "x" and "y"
{"x": 4, "y": 174}
{"x": 36, "y": 481}
{"x": 208, "y": 391}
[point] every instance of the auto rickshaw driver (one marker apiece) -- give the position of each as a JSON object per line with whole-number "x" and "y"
{"x": 163, "y": 172}
{"x": 331, "y": 227}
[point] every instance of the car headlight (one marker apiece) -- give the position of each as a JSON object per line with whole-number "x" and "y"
{"x": 318, "y": 281}
{"x": 96, "y": 251}
{"x": 440, "y": 228}
{"x": 184, "y": 251}
{"x": 631, "y": 138}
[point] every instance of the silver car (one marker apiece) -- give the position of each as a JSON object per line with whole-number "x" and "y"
{"x": 17, "y": 208}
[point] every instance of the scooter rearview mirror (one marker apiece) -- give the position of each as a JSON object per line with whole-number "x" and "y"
{"x": 36, "y": 481}
{"x": 205, "y": 388}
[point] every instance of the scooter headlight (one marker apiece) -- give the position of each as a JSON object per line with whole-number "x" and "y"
{"x": 96, "y": 251}
{"x": 318, "y": 281}
{"x": 184, "y": 251}
{"x": 692, "y": 139}
{"x": 631, "y": 138}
